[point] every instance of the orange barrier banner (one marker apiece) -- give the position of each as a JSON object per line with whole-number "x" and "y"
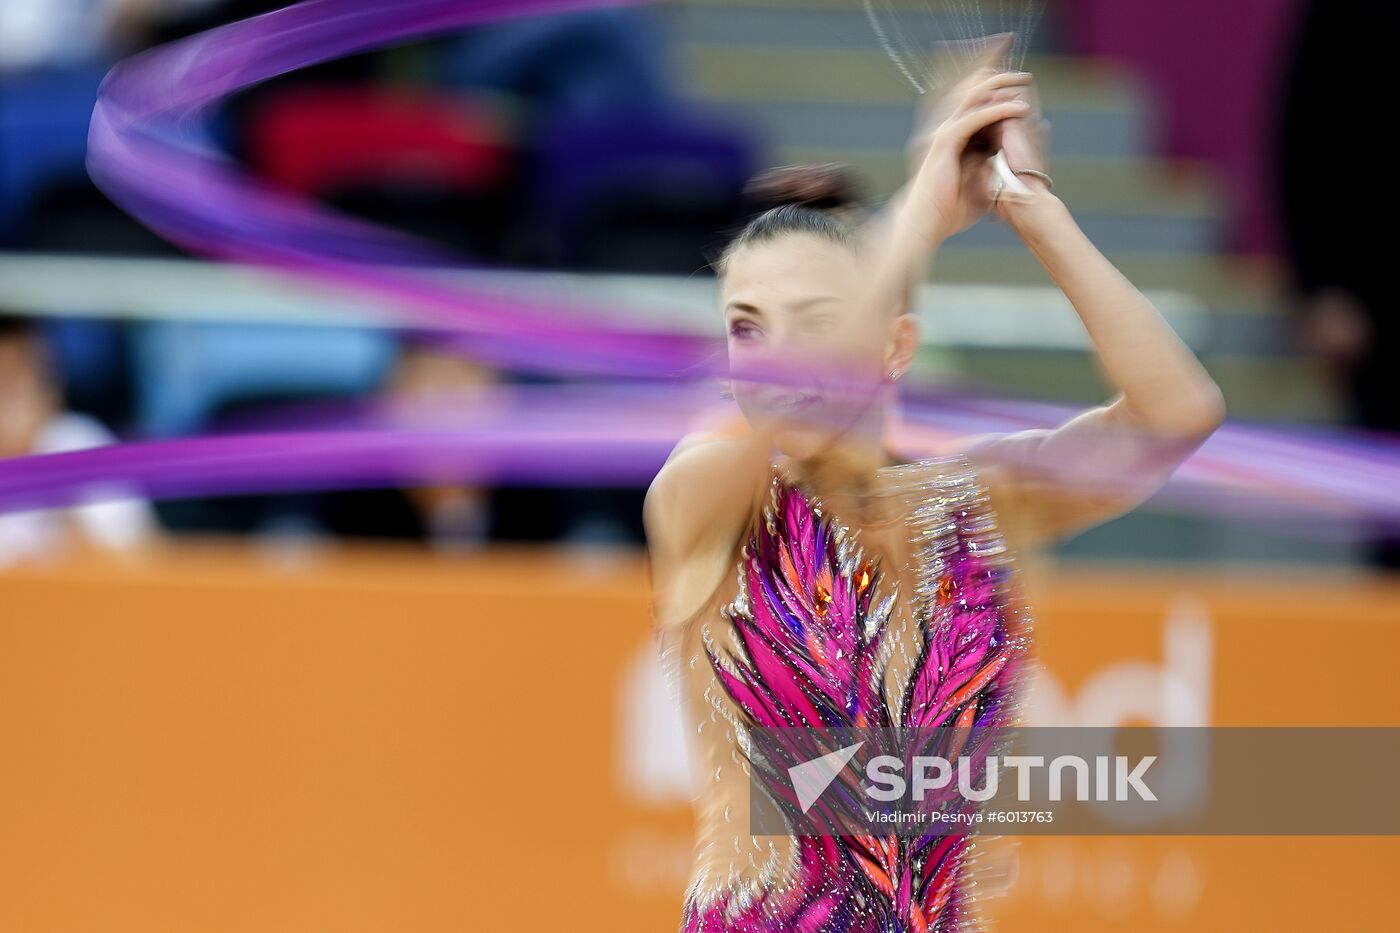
{"x": 227, "y": 739}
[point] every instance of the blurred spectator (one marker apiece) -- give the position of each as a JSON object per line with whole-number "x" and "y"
{"x": 53, "y": 56}
{"x": 32, "y": 421}
{"x": 1341, "y": 253}
{"x": 448, "y": 515}
{"x": 582, "y": 61}
{"x": 619, "y": 172}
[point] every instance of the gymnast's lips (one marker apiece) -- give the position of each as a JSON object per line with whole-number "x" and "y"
{"x": 792, "y": 401}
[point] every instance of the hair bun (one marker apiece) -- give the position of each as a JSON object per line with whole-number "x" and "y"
{"x": 828, "y": 186}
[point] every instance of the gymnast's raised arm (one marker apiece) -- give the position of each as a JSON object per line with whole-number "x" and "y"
{"x": 1107, "y": 459}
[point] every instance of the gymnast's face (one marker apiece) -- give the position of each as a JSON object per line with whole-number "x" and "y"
{"x": 805, "y": 350}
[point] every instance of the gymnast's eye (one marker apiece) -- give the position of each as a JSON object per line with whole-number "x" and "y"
{"x": 742, "y": 330}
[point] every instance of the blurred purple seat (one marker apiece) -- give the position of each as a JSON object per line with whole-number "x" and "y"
{"x": 592, "y": 171}
{"x": 44, "y": 118}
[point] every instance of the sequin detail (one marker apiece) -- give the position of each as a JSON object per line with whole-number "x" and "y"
{"x": 818, "y": 635}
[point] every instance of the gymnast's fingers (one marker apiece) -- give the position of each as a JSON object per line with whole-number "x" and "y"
{"x": 1003, "y": 85}
{"x": 961, "y": 130}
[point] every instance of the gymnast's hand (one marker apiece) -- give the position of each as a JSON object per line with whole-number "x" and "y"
{"x": 1025, "y": 140}
{"x": 958, "y": 133}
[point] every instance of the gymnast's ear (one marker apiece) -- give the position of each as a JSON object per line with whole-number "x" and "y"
{"x": 904, "y": 341}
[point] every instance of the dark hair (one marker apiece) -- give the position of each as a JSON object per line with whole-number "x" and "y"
{"x": 17, "y": 325}
{"x": 821, "y": 199}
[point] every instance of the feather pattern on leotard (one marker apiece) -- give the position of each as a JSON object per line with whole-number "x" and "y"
{"x": 809, "y": 628}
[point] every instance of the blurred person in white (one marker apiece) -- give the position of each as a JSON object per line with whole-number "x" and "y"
{"x": 63, "y": 33}
{"x": 33, "y": 421}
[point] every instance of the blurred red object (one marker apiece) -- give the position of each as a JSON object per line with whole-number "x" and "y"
{"x": 320, "y": 140}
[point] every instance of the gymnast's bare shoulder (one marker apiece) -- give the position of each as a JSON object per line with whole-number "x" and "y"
{"x": 695, "y": 510}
